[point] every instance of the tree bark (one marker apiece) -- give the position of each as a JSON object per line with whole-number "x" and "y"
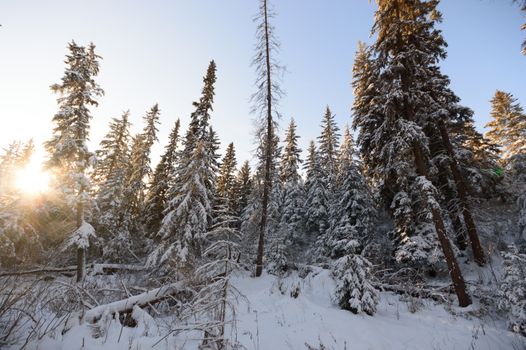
{"x": 267, "y": 184}
{"x": 451, "y": 206}
{"x": 478, "y": 251}
{"x": 454, "y": 269}
{"x": 81, "y": 251}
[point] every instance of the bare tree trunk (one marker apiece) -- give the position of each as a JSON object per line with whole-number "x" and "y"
{"x": 81, "y": 252}
{"x": 454, "y": 270}
{"x": 453, "y": 213}
{"x": 267, "y": 184}
{"x": 478, "y": 252}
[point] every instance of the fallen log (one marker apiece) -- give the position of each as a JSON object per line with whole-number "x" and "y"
{"x": 98, "y": 269}
{"x": 439, "y": 294}
{"x": 141, "y": 300}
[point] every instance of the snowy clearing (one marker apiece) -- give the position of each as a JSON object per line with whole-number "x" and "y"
{"x": 271, "y": 318}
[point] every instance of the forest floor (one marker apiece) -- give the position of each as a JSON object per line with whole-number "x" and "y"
{"x": 297, "y": 313}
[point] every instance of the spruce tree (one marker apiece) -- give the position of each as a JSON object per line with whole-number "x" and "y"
{"x": 291, "y": 227}
{"x": 508, "y": 127}
{"x": 110, "y": 174}
{"x": 226, "y": 180}
{"x": 139, "y": 172}
{"x": 114, "y": 149}
{"x": 162, "y": 180}
{"x": 406, "y": 49}
{"x": 265, "y": 100}
{"x": 317, "y": 201}
{"x": 191, "y": 198}
{"x": 328, "y": 143}
{"x": 242, "y": 188}
{"x": 69, "y": 157}
{"x": 351, "y": 214}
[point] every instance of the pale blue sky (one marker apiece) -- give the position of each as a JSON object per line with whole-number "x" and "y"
{"x": 157, "y": 51}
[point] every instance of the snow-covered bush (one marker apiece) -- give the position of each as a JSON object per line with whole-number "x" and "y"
{"x": 354, "y": 291}
{"x": 512, "y": 290}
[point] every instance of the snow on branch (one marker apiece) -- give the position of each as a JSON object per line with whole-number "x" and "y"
{"x": 128, "y": 304}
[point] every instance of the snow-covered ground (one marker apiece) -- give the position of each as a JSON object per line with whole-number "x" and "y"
{"x": 270, "y": 317}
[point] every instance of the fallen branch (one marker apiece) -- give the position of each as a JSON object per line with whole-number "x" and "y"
{"x": 126, "y": 305}
{"x": 98, "y": 269}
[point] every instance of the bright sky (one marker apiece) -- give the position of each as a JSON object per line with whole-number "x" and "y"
{"x": 158, "y": 51}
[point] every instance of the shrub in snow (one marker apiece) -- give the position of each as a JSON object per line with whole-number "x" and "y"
{"x": 214, "y": 303}
{"x": 512, "y": 290}
{"x": 353, "y": 291}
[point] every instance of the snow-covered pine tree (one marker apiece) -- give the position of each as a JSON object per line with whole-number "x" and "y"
{"x": 352, "y": 212}
{"x": 264, "y": 102}
{"x": 162, "y": 180}
{"x": 508, "y": 126}
{"x": 109, "y": 175}
{"x": 317, "y": 201}
{"x": 328, "y": 143}
{"x": 69, "y": 157}
{"x": 216, "y": 300}
{"x": 397, "y": 146}
{"x": 291, "y": 228}
{"x": 113, "y": 152}
{"x": 478, "y": 158}
{"x": 351, "y": 215}
{"x": 242, "y": 188}
{"x": 512, "y": 291}
{"x": 354, "y": 291}
{"x": 439, "y": 108}
{"x": 190, "y": 199}
{"x": 226, "y": 180}
{"x": 139, "y": 172}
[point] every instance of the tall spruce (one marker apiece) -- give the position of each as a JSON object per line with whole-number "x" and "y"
{"x": 316, "y": 201}
{"x": 290, "y": 225}
{"x": 69, "y": 157}
{"x": 508, "y": 126}
{"x": 402, "y": 59}
{"x": 190, "y": 199}
{"x": 242, "y": 188}
{"x": 162, "y": 180}
{"x": 110, "y": 175}
{"x": 264, "y": 102}
{"x": 328, "y": 143}
{"x": 140, "y": 171}
{"x": 351, "y": 212}
{"x": 226, "y": 180}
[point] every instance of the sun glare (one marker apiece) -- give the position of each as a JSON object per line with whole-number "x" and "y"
{"x": 32, "y": 180}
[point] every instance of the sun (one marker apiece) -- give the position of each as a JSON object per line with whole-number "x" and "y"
{"x": 31, "y": 179}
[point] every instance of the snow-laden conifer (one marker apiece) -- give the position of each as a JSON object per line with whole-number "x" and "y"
{"x": 162, "y": 180}
{"x": 139, "y": 171}
{"x": 69, "y": 158}
{"x": 109, "y": 175}
{"x": 191, "y": 198}
{"x": 317, "y": 200}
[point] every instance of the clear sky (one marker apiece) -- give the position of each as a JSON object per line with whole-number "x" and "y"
{"x": 157, "y": 51}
